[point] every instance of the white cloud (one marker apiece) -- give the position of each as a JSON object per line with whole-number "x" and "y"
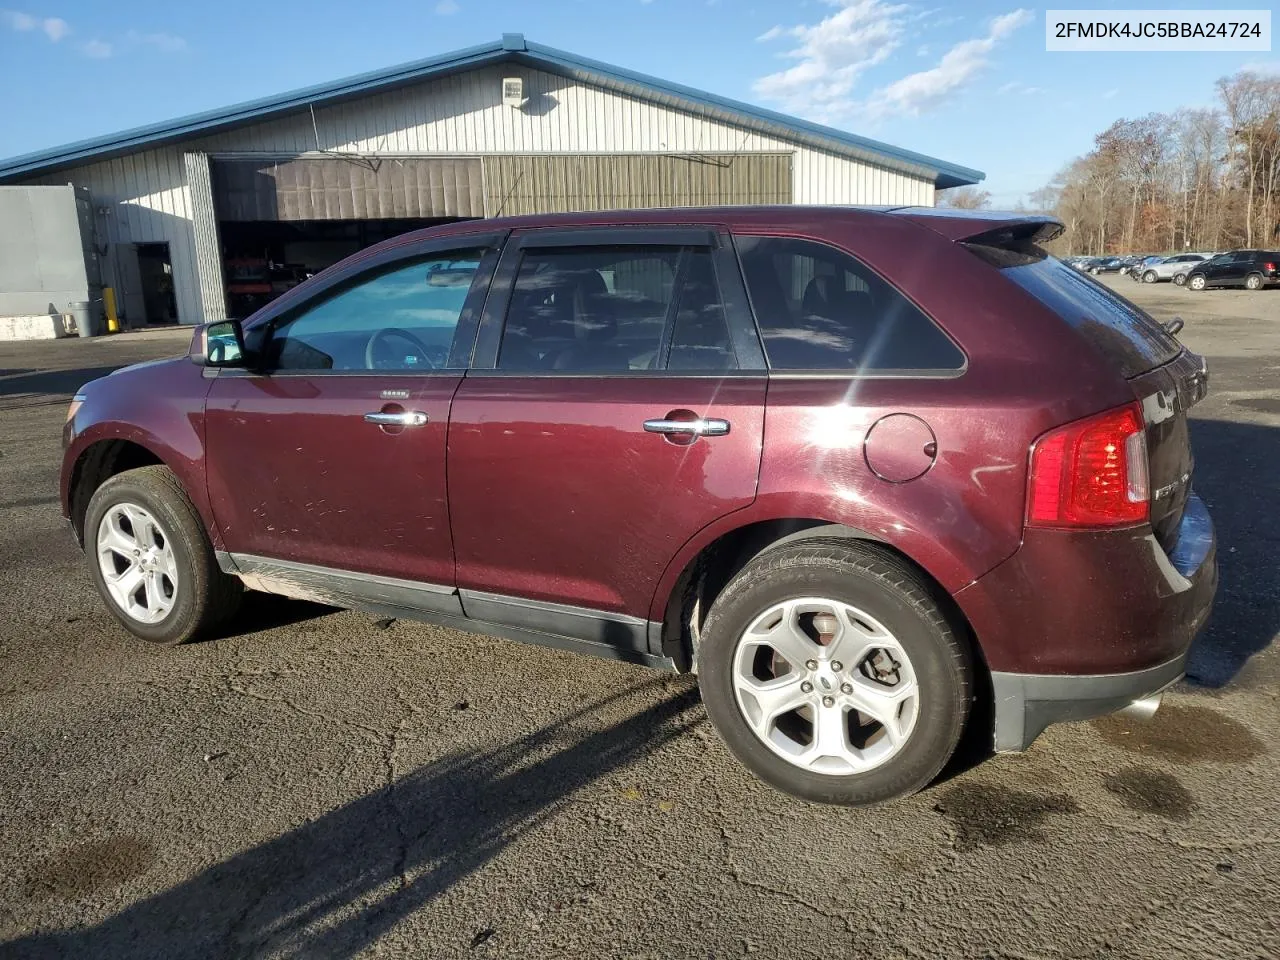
{"x": 917, "y": 93}
{"x": 17, "y": 20}
{"x": 97, "y": 49}
{"x": 1111, "y": 94}
{"x": 1267, "y": 67}
{"x": 1017, "y": 86}
{"x": 832, "y": 54}
{"x": 55, "y": 28}
{"x": 447, "y": 7}
{"x": 164, "y": 42}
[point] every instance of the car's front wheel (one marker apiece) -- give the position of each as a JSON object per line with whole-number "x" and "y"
{"x": 151, "y": 560}
{"x": 1095, "y": 271}
{"x": 1180, "y": 279}
{"x": 1196, "y": 282}
{"x": 1150, "y": 277}
{"x": 833, "y": 673}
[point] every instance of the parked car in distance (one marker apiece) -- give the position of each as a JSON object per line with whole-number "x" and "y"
{"x": 1137, "y": 269}
{"x": 1128, "y": 263}
{"x": 1166, "y": 268}
{"x": 1105, "y": 265}
{"x": 1251, "y": 269}
{"x": 757, "y": 443}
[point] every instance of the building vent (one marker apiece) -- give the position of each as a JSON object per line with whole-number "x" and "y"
{"x": 513, "y": 92}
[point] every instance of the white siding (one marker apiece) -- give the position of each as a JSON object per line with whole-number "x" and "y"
{"x": 149, "y": 201}
{"x": 145, "y": 199}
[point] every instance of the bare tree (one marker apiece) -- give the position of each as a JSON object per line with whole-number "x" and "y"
{"x": 965, "y": 198}
{"x": 1199, "y": 179}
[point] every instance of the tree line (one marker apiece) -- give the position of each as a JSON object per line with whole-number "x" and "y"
{"x": 1206, "y": 179}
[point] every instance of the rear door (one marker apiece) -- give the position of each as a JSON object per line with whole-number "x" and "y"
{"x": 615, "y": 407}
{"x": 332, "y": 453}
{"x": 1234, "y": 269}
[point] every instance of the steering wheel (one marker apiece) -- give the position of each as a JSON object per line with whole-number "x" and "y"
{"x": 421, "y": 353}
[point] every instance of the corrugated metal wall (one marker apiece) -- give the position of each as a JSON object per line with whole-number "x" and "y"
{"x": 352, "y": 188}
{"x": 148, "y": 200}
{"x": 547, "y": 183}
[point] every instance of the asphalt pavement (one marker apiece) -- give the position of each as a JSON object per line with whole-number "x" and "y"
{"x": 325, "y": 784}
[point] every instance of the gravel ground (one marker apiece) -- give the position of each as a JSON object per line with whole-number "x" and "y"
{"x": 322, "y": 783}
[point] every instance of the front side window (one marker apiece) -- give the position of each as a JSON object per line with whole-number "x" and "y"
{"x": 615, "y": 310}
{"x": 399, "y": 319}
{"x": 820, "y": 309}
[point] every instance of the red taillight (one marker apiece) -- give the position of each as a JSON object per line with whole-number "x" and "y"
{"x": 1091, "y": 473}
{"x": 1269, "y": 266}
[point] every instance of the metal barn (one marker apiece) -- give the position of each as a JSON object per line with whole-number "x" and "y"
{"x": 213, "y": 214}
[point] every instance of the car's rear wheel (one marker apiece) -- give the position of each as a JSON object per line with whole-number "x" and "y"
{"x": 151, "y": 560}
{"x": 833, "y": 674}
{"x": 1196, "y": 282}
{"x": 1150, "y": 277}
{"x": 1253, "y": 281}
{"x": 1180, "y": 279}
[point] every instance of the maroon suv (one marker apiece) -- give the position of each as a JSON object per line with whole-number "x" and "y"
{"x": 857, "y": 468}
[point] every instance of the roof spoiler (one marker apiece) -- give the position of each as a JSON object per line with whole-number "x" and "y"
{"x": 987, "y": 227}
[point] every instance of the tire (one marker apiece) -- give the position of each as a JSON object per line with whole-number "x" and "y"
{"x": 182, "y": 594}
{"x": 1196, "y": 282}
{"x": 886, "y": 594}
{"x": 1253, "y": 281}
{"x": 1150, "y": 277}
{"x": 1095, "y": 271}
{"x": 1180, "y": 279}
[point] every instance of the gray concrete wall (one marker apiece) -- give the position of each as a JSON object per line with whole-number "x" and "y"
{"x": 42, "y": 256}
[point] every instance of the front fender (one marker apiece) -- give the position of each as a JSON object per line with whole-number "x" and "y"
{"x": 159, "y": 407}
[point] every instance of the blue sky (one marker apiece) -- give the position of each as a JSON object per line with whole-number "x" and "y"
{"x": 969, "y": 82}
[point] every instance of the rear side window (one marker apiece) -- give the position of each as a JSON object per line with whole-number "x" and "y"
{"x": 616, "y": 309}
{"x": 1123, "y": 332}
{"x": 818, "y": 308}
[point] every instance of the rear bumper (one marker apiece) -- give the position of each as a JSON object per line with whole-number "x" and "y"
{"x": 1026, "y": 703}
{"x": 1105, "y": 624}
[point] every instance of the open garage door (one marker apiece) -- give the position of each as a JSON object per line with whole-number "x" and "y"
{"x": 281, "y": 221}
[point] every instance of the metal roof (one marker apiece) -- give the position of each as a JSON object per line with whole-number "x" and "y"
{"x": 511, "y": 48}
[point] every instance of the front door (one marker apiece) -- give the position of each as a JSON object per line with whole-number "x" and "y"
{"x": 333, "y": 454}
{"x": 616, "y": 408}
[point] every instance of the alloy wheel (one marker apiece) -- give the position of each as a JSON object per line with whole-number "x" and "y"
{"x": 137, "y": 562}
{"x": 1196, "y": 283}
{"x": 825, "y": 686}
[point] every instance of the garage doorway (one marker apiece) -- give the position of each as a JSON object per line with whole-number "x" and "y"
{"x": 155, "y": 279}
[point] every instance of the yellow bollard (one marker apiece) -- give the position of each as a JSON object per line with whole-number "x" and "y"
{"x": 109, "y": 298}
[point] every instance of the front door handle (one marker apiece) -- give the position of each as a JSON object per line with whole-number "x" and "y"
{"x": 408, "y": 418}
{"x": 708, "y": 427}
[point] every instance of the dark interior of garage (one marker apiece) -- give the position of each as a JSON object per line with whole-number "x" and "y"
{"x": 262, "y": 258}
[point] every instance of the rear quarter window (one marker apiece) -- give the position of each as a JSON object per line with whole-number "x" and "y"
{"x": 820, "y": 309}
{"x": 1119, "y": 329}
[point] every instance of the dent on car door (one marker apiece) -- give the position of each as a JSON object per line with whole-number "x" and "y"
{"x": 615, "y": 408}
{"x": 331, "y": 454}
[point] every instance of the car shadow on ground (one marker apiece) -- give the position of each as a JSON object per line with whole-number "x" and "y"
{"x": 56, "y": 382}
{"x": 1235, "y": 472}
{"x": 268, "y": 611}
{"x": 391, "y": 852}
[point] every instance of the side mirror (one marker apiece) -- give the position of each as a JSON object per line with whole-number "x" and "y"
{"x": 219, "y": 344}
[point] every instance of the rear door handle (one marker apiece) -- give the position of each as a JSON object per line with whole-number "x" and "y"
{"x": 409, "y": 418}
{"x": 699, "y": 428}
